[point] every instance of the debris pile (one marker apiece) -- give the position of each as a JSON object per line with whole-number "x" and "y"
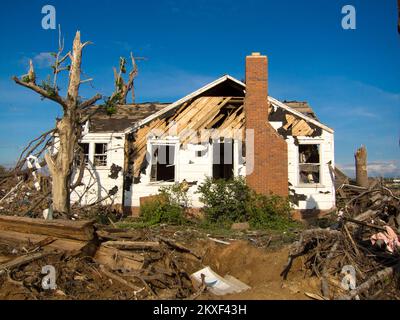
{"x": 360, "y": 251}
{"x": 91, "y": 258}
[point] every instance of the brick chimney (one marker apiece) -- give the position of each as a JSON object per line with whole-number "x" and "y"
{"x": 267, "y": 159}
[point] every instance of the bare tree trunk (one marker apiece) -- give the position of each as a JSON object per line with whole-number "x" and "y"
{"x": 69, "y": 132}
{"x": 60, "y": 192}
{"x": 69, "y": 128}
{"x": 361, "y": 167}
{"x": 61, "y": 167}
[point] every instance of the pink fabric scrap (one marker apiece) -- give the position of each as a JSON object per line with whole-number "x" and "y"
{"x": 390, "y": 238}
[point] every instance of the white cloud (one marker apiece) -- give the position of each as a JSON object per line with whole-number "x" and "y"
{"x": 40, "y": 61}
{"x": 43, "y": 59}
{"x": 360, "y": 112}
{"x": 384, "y": 168}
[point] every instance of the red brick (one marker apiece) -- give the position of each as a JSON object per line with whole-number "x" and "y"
{"x": 270, "y": 173}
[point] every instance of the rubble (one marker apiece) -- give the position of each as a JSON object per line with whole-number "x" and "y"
{"x": 148, "y": 268}
{"x": 365, "y": 237}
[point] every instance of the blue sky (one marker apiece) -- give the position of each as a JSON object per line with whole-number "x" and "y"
{"x": 350, "y": 77}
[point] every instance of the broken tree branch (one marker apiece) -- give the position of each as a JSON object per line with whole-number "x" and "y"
{"x": 48, "y": 95}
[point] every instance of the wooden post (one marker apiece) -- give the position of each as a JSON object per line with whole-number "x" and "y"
{"x": 361, "y": 167}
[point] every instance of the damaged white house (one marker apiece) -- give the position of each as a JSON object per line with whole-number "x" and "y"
{"x": 225, "y": 129}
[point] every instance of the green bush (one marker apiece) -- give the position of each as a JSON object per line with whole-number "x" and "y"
{"x": 169, "y": 207}
{"x": 158, "y": 211}
{"x": 225, "y": 200}
{"x": 270, "y": 212}
{"x": 176, "y": 194}
{"x": 229, "y": 201}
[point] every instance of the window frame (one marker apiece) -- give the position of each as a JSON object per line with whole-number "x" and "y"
{"x": 301, "y": 184}
{"x": 94, "y": 154}
{"x": 86, "y": 158}
{"x": 173, "y": 142}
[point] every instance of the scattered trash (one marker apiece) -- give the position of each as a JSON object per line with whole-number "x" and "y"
{"x": 48, "y": 213}
{"x": 389, "y": 238}
{"x": 219, "y": 285}
{"x": 32, "y": 162}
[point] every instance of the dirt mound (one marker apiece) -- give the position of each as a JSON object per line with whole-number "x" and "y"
{"x": 260, "y": 269}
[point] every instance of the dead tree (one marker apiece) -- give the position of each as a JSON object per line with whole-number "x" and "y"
{"x": 121, "y": 88}
{"x": 361, "y": 167}
{"x": 69, "y": 128}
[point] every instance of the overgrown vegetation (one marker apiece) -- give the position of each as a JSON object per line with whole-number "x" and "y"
{"x": 168, "y": 207}
{"x": 110, "y": 104}
{"x": 48, "y": 87}
{"x": 225, "y": 202}
{"x": 230, "y": 201}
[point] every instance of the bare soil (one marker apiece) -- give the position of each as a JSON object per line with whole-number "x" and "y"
{"x": 260, "y": 269}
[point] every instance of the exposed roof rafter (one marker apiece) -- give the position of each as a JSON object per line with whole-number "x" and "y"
{"x": 207, "y": 87}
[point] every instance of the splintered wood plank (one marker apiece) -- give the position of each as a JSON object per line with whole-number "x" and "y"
{"x": 78, "y": 230}
{"x": 13, "y": 238}
{"x": 186, "y": 113}
{"x": 23, "y": 260}
{"x": 290, "y": 119}
{"x": 301, "y": 128}
{"x": 182, "y": 122}
{"x": 214, "y": 121}
{"x": 200, "y": 121}
{"x": 117, "y": 259}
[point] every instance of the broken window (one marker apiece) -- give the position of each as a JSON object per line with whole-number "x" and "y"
{"x": 223, "y": 159}
{"x": 309, "y": 163}
{"x": 84, "y": 147}
{"x": 100, "y": 154}
{"x": 163, "y": 163}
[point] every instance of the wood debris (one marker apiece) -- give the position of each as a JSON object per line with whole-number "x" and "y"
{"x": 148, "y": 268}
{"x": 364, "y": 238}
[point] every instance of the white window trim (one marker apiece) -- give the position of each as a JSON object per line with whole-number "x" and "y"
{"x": 91, "y": 153}
{"x": 107, "y": 153}
{"x": 171, "y": 141}
{"x": 320, "y": 142}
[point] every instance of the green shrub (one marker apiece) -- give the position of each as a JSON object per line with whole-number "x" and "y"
{"x": 169, "y": 207}
{"x": 229, "y": 201}
{"x": 157, "y": 211}
{"x": 225, "y": 200}
{"x": 175, "y": 194}
{"x": 270, "y": 212}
